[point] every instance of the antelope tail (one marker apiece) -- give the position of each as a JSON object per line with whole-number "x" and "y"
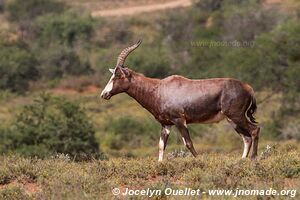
{"x": 251, "y": 110}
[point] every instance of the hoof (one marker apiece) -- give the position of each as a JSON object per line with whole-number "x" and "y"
{"x": 254, "y": 158}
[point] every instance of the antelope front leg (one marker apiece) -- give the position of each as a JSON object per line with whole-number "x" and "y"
{"x": 163, "y": 141}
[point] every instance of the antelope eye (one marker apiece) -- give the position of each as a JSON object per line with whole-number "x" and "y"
{"x": 117, "y": 76}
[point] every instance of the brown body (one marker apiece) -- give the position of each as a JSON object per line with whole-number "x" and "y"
{"x": 197, "y": 101}
{"x": 179, "y": 101}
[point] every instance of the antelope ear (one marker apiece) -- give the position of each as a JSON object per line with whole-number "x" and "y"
{"x": 118, "y": 71}
{"x": 112, "y": 70}
{"x": 125, "y": 72}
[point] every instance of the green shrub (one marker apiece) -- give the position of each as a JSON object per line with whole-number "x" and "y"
{"x": 54, "y": 41}
{"x": 119, "y": 32}
{"x": 244, "y": 23}
{"x": 127, "y": 131}
{"x": 17, "y": 67}
{"x": 273, "y": 63}
{"x": 291, "y": 129}
{"x": 178, "y": 28}
{"x": 59, "y": 60}
{"x": 2, "y": 3}
{"x": 151, "y": 61}
{"x": 208, "y": 5}
{"x": 66, "y": 28}
{"x": 53, "y": 125}
{"x": 20, "y": 10}
{"x": 6, "y": 140}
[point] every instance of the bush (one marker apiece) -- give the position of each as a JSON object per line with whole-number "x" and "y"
{"x": 55, "y": 38}
{"x": 119, "y": 32}
{"x": 17, "y": 67}
{"x": 1, "y": 6}
{"x": 271, "y": 130}
{"x": 129, "y": 132}
{"x": 58, "y": 61}
{"x": 273, "y": 63}
{"x": 245, "y": 23}
{"x": 208, "y": 5}
{"x": 66, "y": 28}
{"x": 151, "y": 61}
{"x": 5, "y": 140}
{"x": 20, "y": 10}
{"x": 292, "y": 130}
{"x": 177, "y": 29}
{"x": 53, "y": 125}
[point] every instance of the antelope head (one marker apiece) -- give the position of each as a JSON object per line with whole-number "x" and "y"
{"x": 120, "y": 79}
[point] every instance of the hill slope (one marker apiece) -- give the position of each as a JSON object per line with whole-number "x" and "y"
{"x": 60, "y": 178}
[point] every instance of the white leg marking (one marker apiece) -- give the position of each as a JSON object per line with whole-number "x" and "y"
{"x": 183, "y": 141}
{"x": 166, "y": 130}
{"x": 185, "y": 125}
{"x": 247, "y": 146}
{"x": 161, "y": 149}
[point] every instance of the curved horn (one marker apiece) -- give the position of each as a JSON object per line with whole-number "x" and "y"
{"x": 126, "y": 52}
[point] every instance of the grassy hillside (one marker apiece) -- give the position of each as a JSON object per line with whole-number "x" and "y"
{"x": 60, "y": 178}
{"x": 58, "y": 51}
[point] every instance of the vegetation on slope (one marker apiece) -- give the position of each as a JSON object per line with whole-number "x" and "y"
{"x": 42, "y": 137}
{"x": 61, "y": 178}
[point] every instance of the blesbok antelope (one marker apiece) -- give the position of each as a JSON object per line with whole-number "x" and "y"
{"x": 179, "y": 101}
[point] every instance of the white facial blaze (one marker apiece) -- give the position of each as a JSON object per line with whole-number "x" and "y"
{"x": 109, "y": 85}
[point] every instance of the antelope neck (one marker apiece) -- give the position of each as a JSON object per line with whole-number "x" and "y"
{"x": 143, "y": 90}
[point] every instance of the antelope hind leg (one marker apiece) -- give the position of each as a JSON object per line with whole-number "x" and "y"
{"x": 186, "y": 137}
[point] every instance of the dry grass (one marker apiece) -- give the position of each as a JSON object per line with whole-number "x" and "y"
{"x": 60, "y": 178}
